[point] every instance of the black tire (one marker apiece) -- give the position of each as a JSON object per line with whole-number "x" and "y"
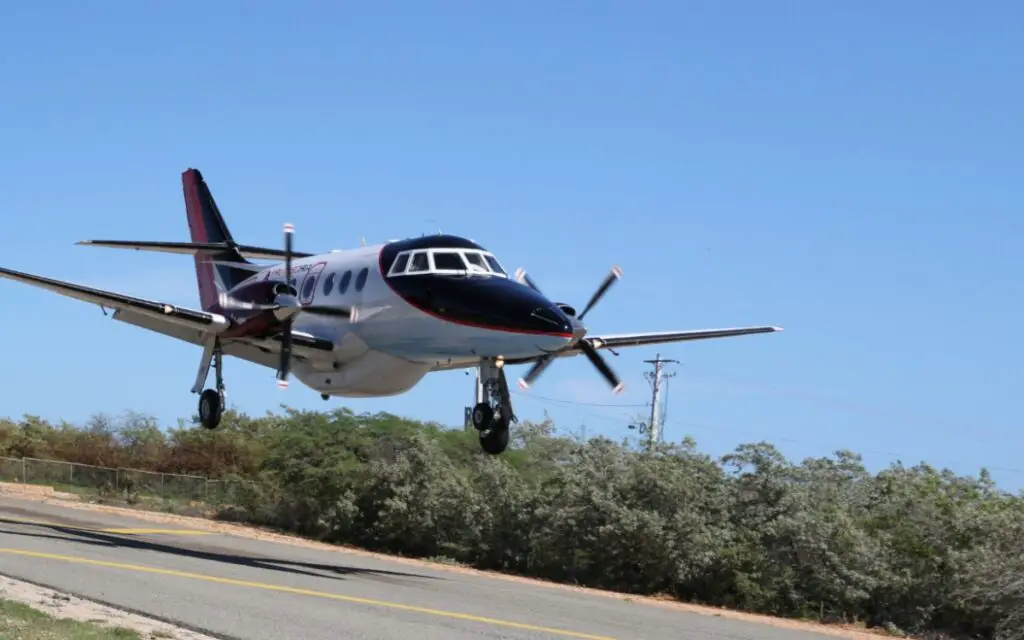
{"x": 494, "y": 441}
{"x": 210, "y": 409}
{"x": 483, "y": 416}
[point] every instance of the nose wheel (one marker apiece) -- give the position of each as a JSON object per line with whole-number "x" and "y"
{"x": 492, "y": 414}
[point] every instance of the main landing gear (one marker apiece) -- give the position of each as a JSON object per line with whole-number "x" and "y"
{"x": 211, "y": 401}
{"x": 492, "y": 413}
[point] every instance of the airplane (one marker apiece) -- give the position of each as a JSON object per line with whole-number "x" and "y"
{"x": 365, "y": 322}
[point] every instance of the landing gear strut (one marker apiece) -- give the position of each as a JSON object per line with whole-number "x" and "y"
{"x": 211, "y": 401}
{"x": 492, "y": 413}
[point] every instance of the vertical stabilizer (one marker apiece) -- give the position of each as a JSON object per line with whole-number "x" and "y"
{"x": 214, "y": 273}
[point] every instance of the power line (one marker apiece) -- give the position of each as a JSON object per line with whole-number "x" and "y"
{"x": 586, "y": 404}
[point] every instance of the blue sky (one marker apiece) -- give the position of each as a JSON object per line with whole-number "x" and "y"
{"x": 849, "y": 171}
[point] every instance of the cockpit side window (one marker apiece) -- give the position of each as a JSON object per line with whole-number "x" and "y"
{"x": 495, "y": 266}
{"x": 400, "y": 263}
{"x": 419, "y": 263}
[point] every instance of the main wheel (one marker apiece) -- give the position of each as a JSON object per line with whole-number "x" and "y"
{"x": 482, "y": 416}
{"x": 494, "y": 441}
{"x": 210, "y": 408}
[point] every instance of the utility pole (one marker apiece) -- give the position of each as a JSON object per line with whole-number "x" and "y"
{"x": 656, "y": 378}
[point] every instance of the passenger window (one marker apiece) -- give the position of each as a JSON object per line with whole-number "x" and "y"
{"x": 343, "y": 285}
{"x": 361, "y": 278}
{"x": 307, "y": 288}
{"x": 449, "y": 261}
{"x": 329, "y": 283}
{"x": 399, "y": 266}
{"x": 419, "y": 262}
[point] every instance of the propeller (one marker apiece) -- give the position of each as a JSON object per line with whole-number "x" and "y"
{"x": 581, "y": 343}
{"x": 285, "y": 307}
{"x": 286, "y": 331}
{"x": 292, "y": 309}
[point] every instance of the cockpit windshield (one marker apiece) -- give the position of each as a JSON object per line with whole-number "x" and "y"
{"x": 446, "y": 262}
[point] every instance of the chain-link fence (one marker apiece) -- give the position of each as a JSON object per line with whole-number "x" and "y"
{"x": 114, "y": 481}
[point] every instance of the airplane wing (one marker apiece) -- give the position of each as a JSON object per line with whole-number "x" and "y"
{"x": 182, "y": 323}
{"x": 619, "y": 340}
{"x": 159, "y": 312}
{"x": 615, "y": 341}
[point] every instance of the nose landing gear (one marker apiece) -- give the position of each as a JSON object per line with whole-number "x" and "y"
{"x": 492, "y": 413}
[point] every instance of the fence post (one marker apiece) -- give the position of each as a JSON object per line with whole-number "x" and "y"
{"x": 71, "y": 473}
{"x": 24, "y": 471}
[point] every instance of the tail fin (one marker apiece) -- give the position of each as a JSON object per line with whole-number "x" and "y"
{"x": 214, "y": 273}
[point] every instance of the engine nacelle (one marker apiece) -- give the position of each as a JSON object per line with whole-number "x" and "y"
{"x": 567, "y": 309}
{"x": 263, "y": 291}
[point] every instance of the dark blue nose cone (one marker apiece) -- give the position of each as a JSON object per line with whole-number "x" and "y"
{"x": 486, "y": 302}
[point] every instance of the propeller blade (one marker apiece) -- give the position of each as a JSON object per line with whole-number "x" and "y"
{"x": 286, "y": 336}
{"x": 535, "y": 371}
{"x": 286, "y": 355}
{"x": 524, "y": 278}
{"x": 289, "y": 229}
{"x": 599, "y": 363}
{"x": 609, "y": 280}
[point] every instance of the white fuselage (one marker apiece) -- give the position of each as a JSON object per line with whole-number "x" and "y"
{"x": 389, "y": 345}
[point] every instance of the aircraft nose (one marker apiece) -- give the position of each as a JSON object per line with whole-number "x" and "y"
{"x": 550, "y": 319}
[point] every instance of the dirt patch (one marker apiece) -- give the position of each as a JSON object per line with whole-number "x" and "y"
{"x": 837, "y": 630}
{"x": 60, "y": 605}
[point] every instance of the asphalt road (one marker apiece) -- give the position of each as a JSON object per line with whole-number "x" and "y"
{"x": 236, "y": 587}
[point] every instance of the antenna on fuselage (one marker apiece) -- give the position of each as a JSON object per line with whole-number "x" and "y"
{"x": 362, "y": 241}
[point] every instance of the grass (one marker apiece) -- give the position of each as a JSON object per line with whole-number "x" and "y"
{"x": 21, "y": 622}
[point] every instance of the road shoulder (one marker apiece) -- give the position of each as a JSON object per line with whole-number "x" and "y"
{"x": 63, "y": 606}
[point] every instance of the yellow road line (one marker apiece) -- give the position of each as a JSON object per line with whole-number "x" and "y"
{"x": 45, "y": 523}
{"x": 304, "y": 592}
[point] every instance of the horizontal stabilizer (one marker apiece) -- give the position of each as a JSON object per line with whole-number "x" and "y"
{"x": 192, "y": 248}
